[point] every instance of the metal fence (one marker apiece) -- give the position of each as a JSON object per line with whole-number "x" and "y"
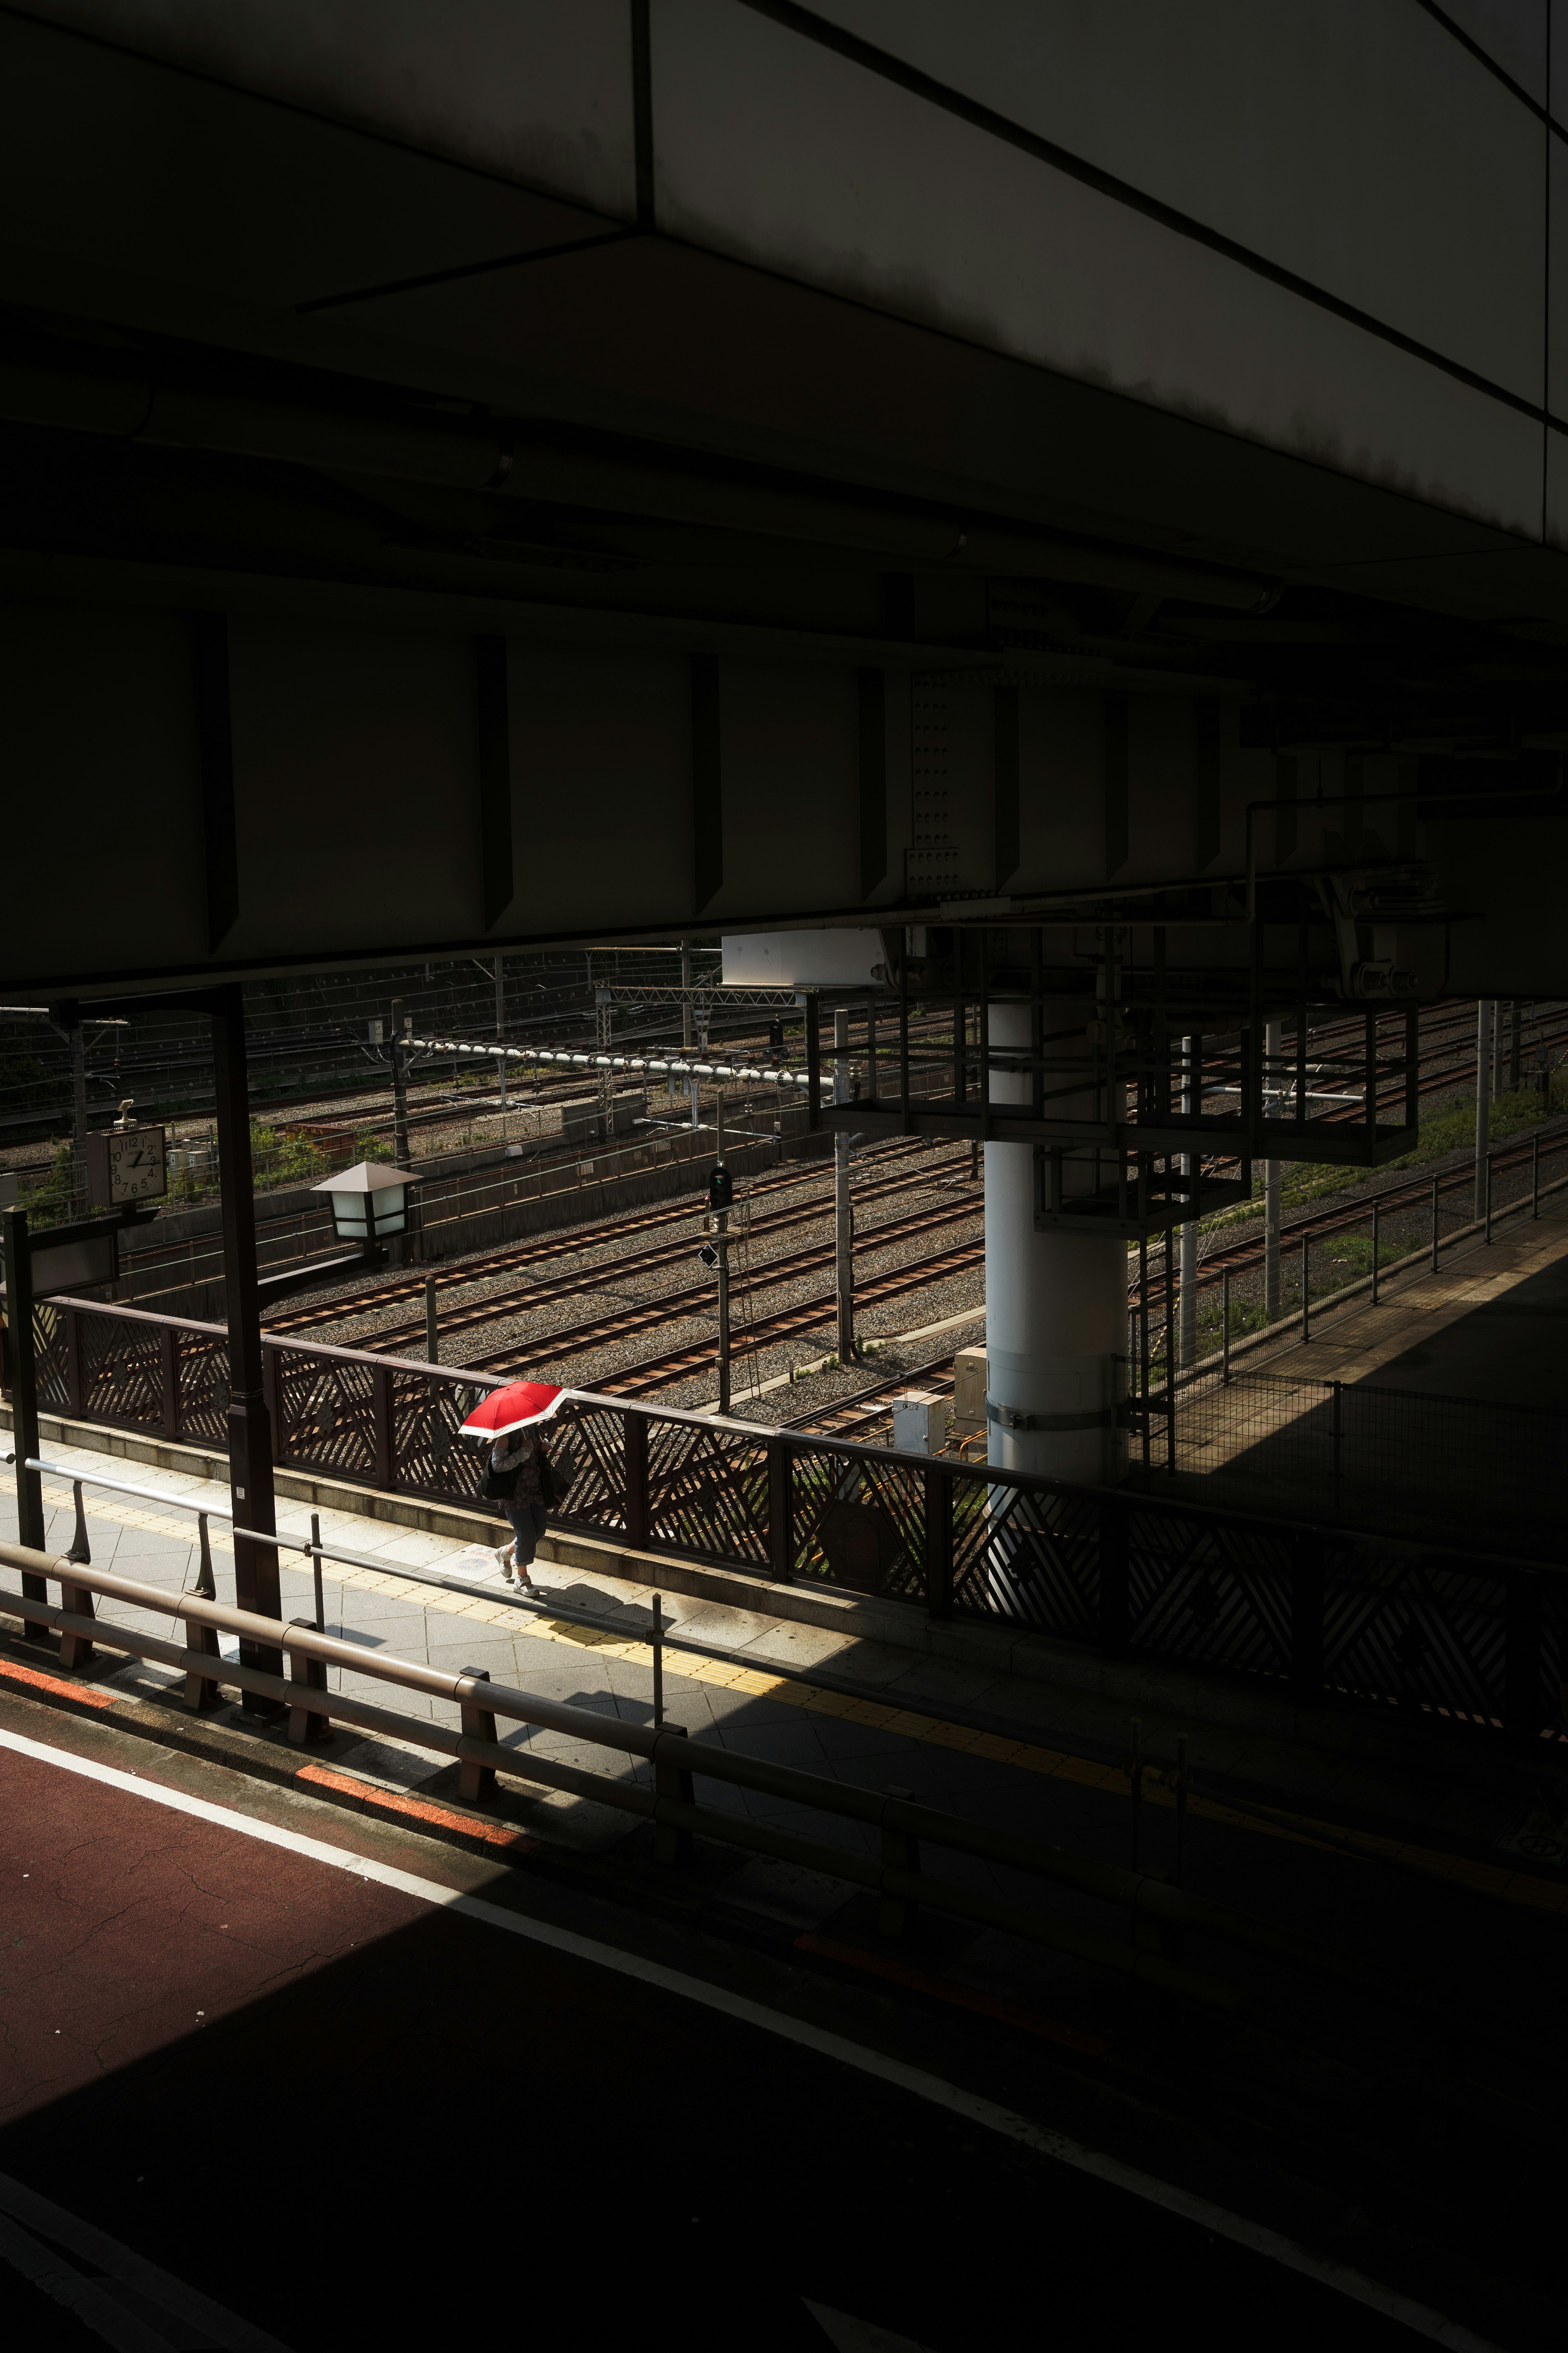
{"x": 1438, "y": 1632}
{"x": 1363, "y": 1456}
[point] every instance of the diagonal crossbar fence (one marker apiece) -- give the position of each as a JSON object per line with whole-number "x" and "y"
{"x": 1455, "y": 1634}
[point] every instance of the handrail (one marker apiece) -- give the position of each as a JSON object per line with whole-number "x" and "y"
{"x": 1160, "y": 1913}
{"x": 667, "y": 1749}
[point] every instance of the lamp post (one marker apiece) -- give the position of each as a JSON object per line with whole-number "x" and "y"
{"x": 370, "y": 1202}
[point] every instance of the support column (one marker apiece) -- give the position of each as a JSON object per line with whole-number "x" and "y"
{"x": 1056, "y": 1303}
{"x": 256, "y": 1582}
{"x": 1483, "y": 1076}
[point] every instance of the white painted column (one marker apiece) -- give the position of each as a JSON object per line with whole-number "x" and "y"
{"x": 1056, "y": 1303}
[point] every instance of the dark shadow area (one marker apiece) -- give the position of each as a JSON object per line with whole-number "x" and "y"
{"x": 454, "y": 2112}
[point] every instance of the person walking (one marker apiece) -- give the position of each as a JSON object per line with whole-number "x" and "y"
{"x": 516, "y": 1477}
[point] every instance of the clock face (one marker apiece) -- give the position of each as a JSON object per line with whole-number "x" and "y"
{"x": 136, "y": 1165}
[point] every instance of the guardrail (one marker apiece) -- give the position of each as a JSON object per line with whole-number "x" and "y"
{"x": 1160, "y": 1915}
{"x": 1441, "y": 1635}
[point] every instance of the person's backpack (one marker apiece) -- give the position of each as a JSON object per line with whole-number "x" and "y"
{"x": 501, "y": 1484}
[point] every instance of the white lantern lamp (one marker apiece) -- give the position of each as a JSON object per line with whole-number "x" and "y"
{"x": 370, "y": 1202}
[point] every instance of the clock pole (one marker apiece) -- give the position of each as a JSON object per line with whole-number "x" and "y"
{"x": 256, "y": 1579}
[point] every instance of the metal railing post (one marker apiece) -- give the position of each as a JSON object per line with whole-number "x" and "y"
{"x": 658, "y": 1661}
{"x": 671, "y": 1779}
{"x": 307, "y": 1726}
{"x": 385, "y": 1435}
{"x": 1488, "y": 1190}
{"x": 901, "y": 1852}
{"x": 1376, "y": 1245}
{"x": 1224, "y": 1325}
{"x": 316, "y": 1570}
{"x": 1306, "y": 1294}
{"x": 169, "y": 1372}
{"x": 938, "y": 1542}
{"x": 74, "y": 1397}
{"x": 1181, "y": 1870}
{"x": 781, "y": 1513}
{"x": 1535, "y": 1177}
{"x": 1136, "y": 1776}
{"x": 206, "y": 1585}
{"x": 1306, "y": 1621}
{"x": 1337, "y": 1425}
{"x": 476, "y": 1783}
{"x": 634, "y": 1443}
{"x": 1434, "y": 1225}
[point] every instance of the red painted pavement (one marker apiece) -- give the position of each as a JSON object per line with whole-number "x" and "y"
{"x": 125, "y": 1926}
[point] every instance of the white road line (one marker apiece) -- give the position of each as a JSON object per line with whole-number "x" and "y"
{"x": 1254, "y": 2236}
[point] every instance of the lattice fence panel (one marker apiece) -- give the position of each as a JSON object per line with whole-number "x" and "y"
{"x": 1029, "y": 1558}
{"x": 121, "y": 1372}
{"x": 428, "y": 1456}
{"x": 49, "y": 1359}
{"x": 326, "y": 1414}
{"x": 587, "y": 1451}
{"x": 200, "y": 1377}
{"x": 1423, "y": 1632}
{"x": 708, "y": 1493}
{"x": 1217, "y": 1595}
{"x": 860, "y": 1524}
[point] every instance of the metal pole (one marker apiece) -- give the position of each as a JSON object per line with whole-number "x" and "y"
{"x": 400, "y": 1087}
{"x": 1376, "y": 1214}
{"x": 1483, "y": 1059}
{"x": 657, "y": 1663}
{"x": 22, "y": 1379}
{"x": 686, "y": 994}
{"x": 316, "y": 1567}
{"x": 1434, "y": 1225}
{"x": 1489, "y": 1195}
{"x": 1535, "y": 1177}
{"x": 1135, "y": 1773}
{"x": 500, "y": 1024}
{"x": 1224, "y": 1325}
{"x": 249, "y": 1425}
{"x": 1181, "y": 1811}
{"x": 843, "y": 1220}
{"x": 1271, "y": 1204}
{"x": 1191, "y": 1165}
{"x": 78, "y": 1110}
{"x": 1515, "y": 1045}
{"x": 1170, "y": 1352}
{"x": 1143, "y": 1334}
{"x": 432, "y": 1340}
{"x": 722, "y": 1216}
{"x": 1306, "y": 1302}
{"x": 1338, "y": 1437}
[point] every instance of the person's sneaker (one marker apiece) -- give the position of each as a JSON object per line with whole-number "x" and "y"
{"x": 503, "y": 1562}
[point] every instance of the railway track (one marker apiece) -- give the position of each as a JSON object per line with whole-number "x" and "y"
{"x": 1408, "y": 1193}
{"x": 607, "y": 1231}
{"x": 696, "y": 1298}
{"x": 792, "y": 1323}
{"x": 497, "y": 1309}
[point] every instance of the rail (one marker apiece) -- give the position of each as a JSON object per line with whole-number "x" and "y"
{"x": 1161, "y": 1916}
{"x": 675, "y": 1760}
{"x": 1454, "y": 1636}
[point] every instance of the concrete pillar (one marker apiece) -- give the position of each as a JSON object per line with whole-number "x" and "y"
{"x": 1056, "y": 1303}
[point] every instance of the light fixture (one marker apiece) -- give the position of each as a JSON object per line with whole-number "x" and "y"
{"x": 370, "y": 1201}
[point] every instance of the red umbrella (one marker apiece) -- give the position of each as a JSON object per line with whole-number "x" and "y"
{"x": 513, "y": 1407}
